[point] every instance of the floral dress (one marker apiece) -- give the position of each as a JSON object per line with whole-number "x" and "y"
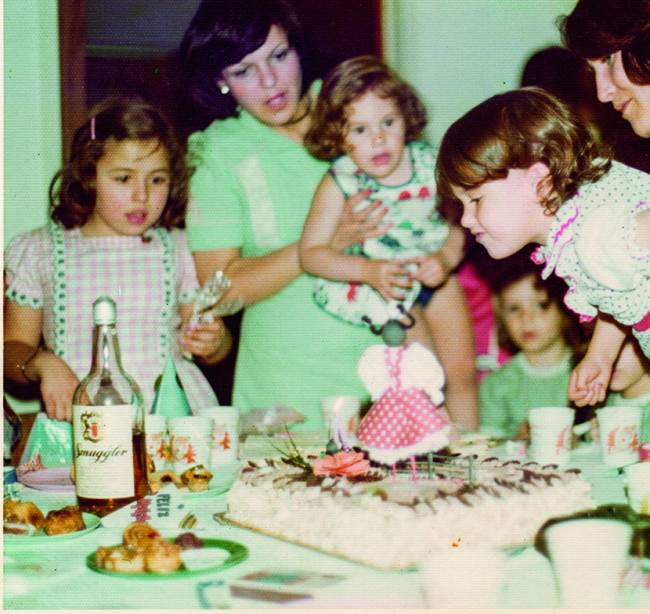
{"x": 418, "y": 229}
{"x": 62, "y": 272}
{"x": 591, "y": 246}
{"x": 406, "y": 387}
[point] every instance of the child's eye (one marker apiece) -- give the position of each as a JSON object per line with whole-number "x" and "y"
{"x": 512, "y": 309}
{"x": 159, "y": 179}
{"x": 389, "y": 121}
{"x": 358, "y": 129}
{"x": 121, "y": 178}
{"x": 544, "y": 305}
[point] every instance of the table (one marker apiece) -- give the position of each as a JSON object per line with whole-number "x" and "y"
{"x": 56, "y": 577}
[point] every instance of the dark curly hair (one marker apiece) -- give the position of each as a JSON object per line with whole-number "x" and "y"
{"x": 516, "y": 130}
{"x": 346, "y": 83}
{"x": 597, "y": 28}
{"x": 220, "y": 34}
{"x": 72, "y": 191}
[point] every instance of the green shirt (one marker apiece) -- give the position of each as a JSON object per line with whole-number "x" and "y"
{"x": 615, "y": 398}
{"x": 507, "y": 394}
{"x": 252, "y": 190}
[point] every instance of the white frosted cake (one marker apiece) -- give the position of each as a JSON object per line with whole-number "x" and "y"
{"x": 392, "y": 523}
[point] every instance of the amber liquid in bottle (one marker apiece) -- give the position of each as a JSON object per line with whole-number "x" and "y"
{"x": 108, "y": 425}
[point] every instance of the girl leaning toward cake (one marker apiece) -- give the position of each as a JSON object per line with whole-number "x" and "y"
{"x": 526, "y": 170}
{"x": 368, "y": 124}
{"x": 117, "y": 211}
{"x": 544, "y": 338}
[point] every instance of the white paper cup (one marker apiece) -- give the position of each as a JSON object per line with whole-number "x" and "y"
{"x": 224, "y": 439}
{"x": 637, "y": 477}
{"x": 619, "y": 434}
{"x": 550, "y": 434}
{"x": 189, "y": 438}
{"x": 463, "y": 577}
{"x": 589, "y": 557}
{"x": 156, "y": 439}
{"x": 341, "y": 418}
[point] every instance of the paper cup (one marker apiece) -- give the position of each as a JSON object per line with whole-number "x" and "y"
{"x": 156, "y": 440}
{"x": 550, "y": 435}
{"x": 341, "y": 418}
{"x": 224, "y": 441}
{"x": 463, "y": 577}
{"x": 619, "y": 434}
{"x": 189, "y": 440}
{"x": 589, "y": 557}
{"x": 637, "y": 477}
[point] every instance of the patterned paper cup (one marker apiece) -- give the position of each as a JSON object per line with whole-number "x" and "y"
{"x": 550, "y": 434}
{"x": 619, "y": 434}
{"x": 224, "y": 441}
{"x": 189, "y": 439}
{"x": 637, "y": 477}
{"x": 157, "y": 441}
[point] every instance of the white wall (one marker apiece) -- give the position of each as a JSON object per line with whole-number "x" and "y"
{"x": 459, "y": 52}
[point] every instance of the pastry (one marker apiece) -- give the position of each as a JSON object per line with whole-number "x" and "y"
{"x": 188, "y": 541}
{"x": 138, "y": 535}
{"x": 196, "y": 478}
{"x": 158, "y": 478}
{"x": 21, "y": 517}
{"x": 66, "y": 520}
{"x": 120, "y": 558}
{"x": 162, "y": 557}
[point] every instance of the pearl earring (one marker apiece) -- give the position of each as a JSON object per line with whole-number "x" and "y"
{"x": 224, "y": 89}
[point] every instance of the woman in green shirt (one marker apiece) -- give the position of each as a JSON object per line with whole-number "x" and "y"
{"x": 250, "y": 195}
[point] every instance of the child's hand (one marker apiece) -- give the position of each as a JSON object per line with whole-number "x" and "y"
{"x": 388, "y": 277}
{"x": 58, "y": 383}
{"x": 589, "y": 380}
{"x": 207, "y": 340}
{"x": 432, "y": 270}
{"x": 356, "y": 226}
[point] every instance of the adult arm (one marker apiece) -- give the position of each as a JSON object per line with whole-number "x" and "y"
{"x": 209, "y": 342}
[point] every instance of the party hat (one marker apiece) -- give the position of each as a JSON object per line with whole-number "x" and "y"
{"x": 170, "y": 398}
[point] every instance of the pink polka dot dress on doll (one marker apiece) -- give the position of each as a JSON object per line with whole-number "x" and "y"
{"x": 405, "y": 419}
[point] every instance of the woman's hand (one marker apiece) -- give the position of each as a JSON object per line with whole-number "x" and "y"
{"x": 432, "y": 270}
{"x": 589, "y": 380}
{"x": 354, "y": 227}
{"x": 210, "y": 342}
{"x": 58, "y": 383}
{"x": 388, "y": 277}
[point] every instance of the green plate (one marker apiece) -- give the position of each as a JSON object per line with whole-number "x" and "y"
{"x": 238, "y": 553}
{"x": 40, "y": 538}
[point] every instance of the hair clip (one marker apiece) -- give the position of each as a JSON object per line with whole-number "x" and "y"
{"x": 92, "y": 128}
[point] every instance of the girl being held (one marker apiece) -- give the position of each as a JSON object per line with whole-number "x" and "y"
{"x": 543, "y": 336}
{"x": 526, "y": 170}
{"x": 117, "y": 208}
{"x": 367, "y": 122}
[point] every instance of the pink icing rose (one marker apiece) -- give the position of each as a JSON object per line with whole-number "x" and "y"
{"x": 346, "y": 464}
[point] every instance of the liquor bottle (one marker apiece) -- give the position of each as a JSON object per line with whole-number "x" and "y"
{"x": 108, "y": 425}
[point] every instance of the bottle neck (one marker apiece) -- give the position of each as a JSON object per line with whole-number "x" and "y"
{"x": 106, "y": 350}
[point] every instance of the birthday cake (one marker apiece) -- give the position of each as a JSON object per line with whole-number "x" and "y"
{"x": 393, "y": 522}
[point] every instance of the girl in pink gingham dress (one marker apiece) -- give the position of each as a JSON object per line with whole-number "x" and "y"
{"x": 407, "y": 417}
{"x": 116, "y": 212}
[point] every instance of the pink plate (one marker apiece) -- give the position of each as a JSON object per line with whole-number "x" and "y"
{"x": 54, "y": 479}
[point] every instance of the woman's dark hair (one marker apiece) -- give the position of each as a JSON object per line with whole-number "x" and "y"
{"x": 220, "y": 34}
{"x": 597, "y": 28}
{"x": 516, "y": 130}
{"x": 345, "y": 84}
{"x": 520, "y": 266}
{"x": 72, "y": 190}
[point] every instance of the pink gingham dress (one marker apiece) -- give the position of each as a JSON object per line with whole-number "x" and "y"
{"x": 62, "y": 272}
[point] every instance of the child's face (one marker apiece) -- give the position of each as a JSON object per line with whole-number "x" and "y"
{"x": 504, "y": 215}
{"x": 533, "y": 322}
{"x": 375, "y": 139}
{"x": 629, "y": 375}
{"x": 133, "y": 180}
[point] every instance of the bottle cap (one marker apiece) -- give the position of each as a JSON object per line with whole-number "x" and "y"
{"x": 104, "y": 310}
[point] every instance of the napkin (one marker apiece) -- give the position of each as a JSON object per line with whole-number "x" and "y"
{"x": 164, "y": 510}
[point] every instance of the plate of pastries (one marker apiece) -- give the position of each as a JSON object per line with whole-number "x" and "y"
{"x": 196, "y": 481}
{"x": 25, "y": 523}
{"x": 145, "y": 554}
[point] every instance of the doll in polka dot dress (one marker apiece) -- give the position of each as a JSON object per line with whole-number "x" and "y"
{"x": 527, "y": 170}
{"x": 407, "y": 417}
